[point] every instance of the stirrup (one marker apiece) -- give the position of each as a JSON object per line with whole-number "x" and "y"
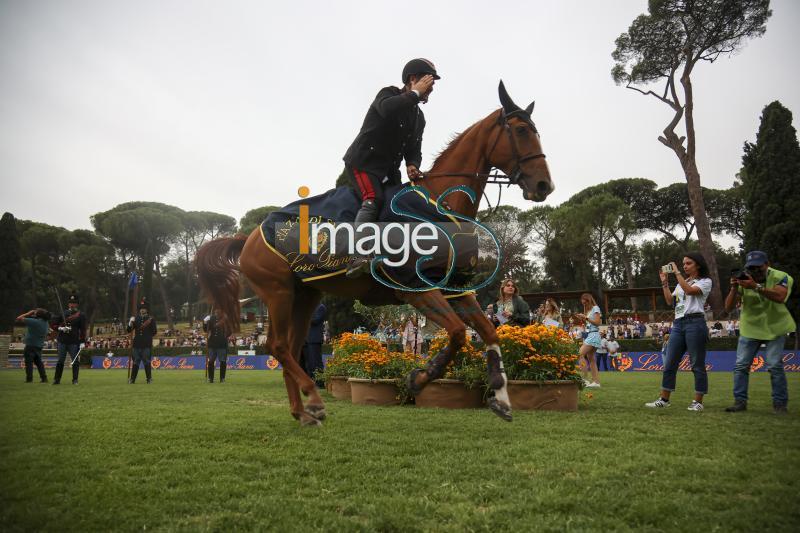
{"x": 357, "y": 267}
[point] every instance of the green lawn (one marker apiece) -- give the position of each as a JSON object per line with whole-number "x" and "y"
{"x": 184, "y": 455}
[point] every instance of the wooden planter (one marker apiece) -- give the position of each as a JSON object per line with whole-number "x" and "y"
{"x": 450, "y": 394}
{"x": 374, "y": 391}
{"x": 543, "y": 395}
{"x": 339, "y": 387}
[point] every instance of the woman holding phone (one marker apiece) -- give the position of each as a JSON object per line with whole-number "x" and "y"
{"x": 689, "y": 329}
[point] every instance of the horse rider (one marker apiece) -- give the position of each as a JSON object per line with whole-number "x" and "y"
{"x": 392, "y": 131}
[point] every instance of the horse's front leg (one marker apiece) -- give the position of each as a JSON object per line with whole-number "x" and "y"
{"x": 434, "y": 306}
{"x": 470, "y": 312}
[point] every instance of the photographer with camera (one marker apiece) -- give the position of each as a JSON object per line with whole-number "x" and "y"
{"x": 689, "y": 330}
{"x": 764, "y": 319}
{"x": 35, "y": 321}
{"x": 71, "y": 328}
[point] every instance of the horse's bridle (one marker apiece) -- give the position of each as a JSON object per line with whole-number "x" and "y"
{"x": 496, "y": 177}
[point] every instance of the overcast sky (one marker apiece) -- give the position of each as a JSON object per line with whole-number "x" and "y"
{"x": 227, "y": 106}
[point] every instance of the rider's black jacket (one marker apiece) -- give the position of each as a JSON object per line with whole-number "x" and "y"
{"x": 391, "y": 132}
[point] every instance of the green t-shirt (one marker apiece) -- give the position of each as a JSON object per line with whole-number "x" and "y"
{"x": 37, "y": 331}
{"x": 762, "y": 318}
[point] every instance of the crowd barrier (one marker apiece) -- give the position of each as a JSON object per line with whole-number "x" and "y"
{"x": 716, "y": 361}
{"x": 627, "y": 362}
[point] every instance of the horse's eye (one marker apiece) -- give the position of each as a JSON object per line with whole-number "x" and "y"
{"x": 522, "y": 130}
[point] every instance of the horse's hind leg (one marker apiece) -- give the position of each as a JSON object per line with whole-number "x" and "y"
{"x": 271, "y": 278}
{"x": 305, "y": 303}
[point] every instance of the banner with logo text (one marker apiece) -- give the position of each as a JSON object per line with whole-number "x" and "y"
{"x": 627, "y": 362}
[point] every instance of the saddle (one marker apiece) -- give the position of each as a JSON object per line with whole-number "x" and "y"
{"x": 453, "y": 241}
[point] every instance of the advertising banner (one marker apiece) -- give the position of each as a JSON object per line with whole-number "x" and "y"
{"x": 627, "y": 362}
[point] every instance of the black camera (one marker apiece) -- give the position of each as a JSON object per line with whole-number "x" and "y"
{"x": 740, "y": 274}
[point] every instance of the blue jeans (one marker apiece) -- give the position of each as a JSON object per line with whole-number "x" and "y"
{"x": 688, "y": 334}
{"x": 745, "y": 352}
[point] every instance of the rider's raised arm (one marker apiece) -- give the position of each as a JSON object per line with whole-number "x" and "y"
{"x": 387, "y": 103}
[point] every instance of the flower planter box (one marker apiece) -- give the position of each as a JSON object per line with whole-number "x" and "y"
{"x": 543, "y": 395}
{"x": 450, "y": 394}
{"x": 339, "y": 387}
{"x": 374, "y": 391}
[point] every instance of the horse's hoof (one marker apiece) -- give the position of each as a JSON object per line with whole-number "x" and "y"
{"x": 316, "y": 411}
{"x": 411, "y": 382}
{"x": 309, "y": 421}
{"x": 501, "y": 409}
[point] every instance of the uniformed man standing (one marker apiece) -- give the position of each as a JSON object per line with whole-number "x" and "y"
{"x": 217, "y": 345}
{"x": 71, "y": 326}
{"x": 391, "y": 132}
{"x": 144, "y": 329}
{"x": 35, "y": 321}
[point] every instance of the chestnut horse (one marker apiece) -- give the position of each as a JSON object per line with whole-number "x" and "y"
{"x": 507, "y": 139}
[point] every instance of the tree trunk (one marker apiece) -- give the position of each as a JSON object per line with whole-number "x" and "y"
{"x": 188, "y": 284}
{"x": 701, "y": 224}
{"x": 149, "y": 259}
{"x": 162, "y": 290}
{"x": 124, "y": 316}
{"x": 93, "y": 313}
{"x": 626, "y": 262}
{"x": 33, "y": 279}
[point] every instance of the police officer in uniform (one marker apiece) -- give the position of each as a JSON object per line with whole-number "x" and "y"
{"x": 144, "y": 329}
{"x": 71, "y": 327}
{"x": 217, "y": 345}
{"x": 391, "y": 132}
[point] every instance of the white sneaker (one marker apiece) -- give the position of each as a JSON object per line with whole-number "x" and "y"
{"x": 695, "y": 406}
{"x": 658, "y": 403}
{"x": 593, "y": 385}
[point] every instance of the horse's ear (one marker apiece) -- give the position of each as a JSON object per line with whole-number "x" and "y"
{"x": 505, "y": 100}
{"x": 529, "y": 109}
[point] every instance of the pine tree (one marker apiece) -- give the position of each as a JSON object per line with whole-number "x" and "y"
{"x": 770, "y": 177}
{"x": 10, "y": 273}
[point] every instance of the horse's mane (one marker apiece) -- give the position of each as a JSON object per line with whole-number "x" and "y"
{"x": 450, "y": 146}
{"x": 453, "y": 142}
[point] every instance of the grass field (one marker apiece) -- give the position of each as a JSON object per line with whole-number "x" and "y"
{"x": 188, "y": 456}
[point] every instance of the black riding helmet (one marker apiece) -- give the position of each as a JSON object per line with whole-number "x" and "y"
{"x": 419, "y": 66}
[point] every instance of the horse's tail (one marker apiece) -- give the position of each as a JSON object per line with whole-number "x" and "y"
{"x": 217, "y": 264}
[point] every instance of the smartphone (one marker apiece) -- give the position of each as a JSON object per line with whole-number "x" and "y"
{"x": 667, "y": 269}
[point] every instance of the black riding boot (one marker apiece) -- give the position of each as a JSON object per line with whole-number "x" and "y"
{"x": 134, "y": 373}
{"x": 223, "y": 366}
{"x": 59, "y": 371}
{"x": 75, "y": 369}
{"x": 210, "y": 367}
{"x": 359, "y": 265}
{"x": 148, "y": 372}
